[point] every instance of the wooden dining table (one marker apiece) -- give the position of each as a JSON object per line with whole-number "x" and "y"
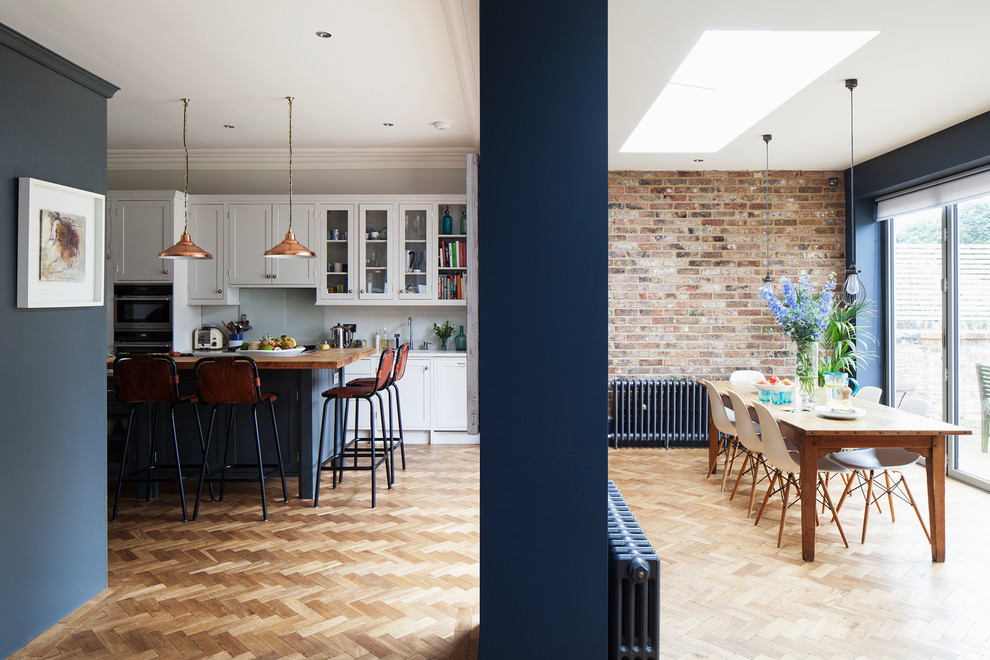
{"x": 880, "y": 426}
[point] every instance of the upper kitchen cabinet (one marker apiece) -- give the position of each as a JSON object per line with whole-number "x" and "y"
{"x": 376, "y": 252}
{"x": 206, "y": 282}
{"x": 416, "y": 251}
{"x": 335, "y": 272}
{"x": 142, "y": 224}
{"x": 254, "y": 228}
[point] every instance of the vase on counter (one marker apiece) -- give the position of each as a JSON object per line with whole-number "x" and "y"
{"x": 460, "y": 340}
{"x": 806, "y": 370}
{"x": 448, "y": 222}
{"x": 443, "y": 343}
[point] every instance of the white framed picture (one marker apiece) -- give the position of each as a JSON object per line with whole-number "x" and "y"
{"x": 59, "y": 245}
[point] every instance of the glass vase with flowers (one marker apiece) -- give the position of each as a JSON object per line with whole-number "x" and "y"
{"x": 802, "y": 310}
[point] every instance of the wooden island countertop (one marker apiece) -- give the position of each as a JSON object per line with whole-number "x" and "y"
{"x": 333, "y": 358}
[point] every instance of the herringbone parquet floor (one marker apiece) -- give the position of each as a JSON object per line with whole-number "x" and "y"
{"x": 343, "y": 581}
{"x": 401, "y": 581}
{"x": 727, "y": 591}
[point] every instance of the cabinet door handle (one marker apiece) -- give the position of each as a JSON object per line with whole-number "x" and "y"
{"x": 165, "y": 271}
{"x": 426, "y": 368}
{"x": 274, "y": 276}
{"x": 362, "y": 290}
{"x": 219, "y": 290}
{"x": 350, "y": 291}
{"x": 267, "y": 276}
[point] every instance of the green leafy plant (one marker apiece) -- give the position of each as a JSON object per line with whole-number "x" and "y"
{"x": 443, "y": 332}
{"x": 845, "y": 346}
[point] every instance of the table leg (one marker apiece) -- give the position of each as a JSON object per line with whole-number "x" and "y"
{"x": 712, "y": 445}
{"x": 935, "y": 467}
{"x": 809, "y": 497}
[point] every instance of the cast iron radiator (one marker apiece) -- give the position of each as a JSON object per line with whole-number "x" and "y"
{"x": 654, "y": 413}
{"x": 633, "y": 586}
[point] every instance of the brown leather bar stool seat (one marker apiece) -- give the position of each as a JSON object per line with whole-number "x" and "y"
{"x": 232, "y": 380}
{"x": 357, "y": 449}
{"x": 392, "y": 440}
{"x": 153, "y": 380}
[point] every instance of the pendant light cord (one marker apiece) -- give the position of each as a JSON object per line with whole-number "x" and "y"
{"x": 185, "y": 183}
{"x": 851, "y": 84}
{"x": 766, "y": 139}
{"x": 289, "y": 99}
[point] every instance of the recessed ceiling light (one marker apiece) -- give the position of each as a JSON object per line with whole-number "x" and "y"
{"x": 387, "y": 123}
{"x": 717, "y": 92}
{"x": 323, "y": 34}
{"x": 699, "y": 160}
{"x": 228, "y": 126}
{"x": 441, "y": 125}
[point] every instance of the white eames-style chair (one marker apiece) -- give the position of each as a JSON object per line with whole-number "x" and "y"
{"x": 743, "y": 376}
{"x": 752, "y": 445}
{"x": 869, "y": 393}
{"x": 787, "y": 470}
{"x": 886, "y": 460}
{"x": 725, "y": 426}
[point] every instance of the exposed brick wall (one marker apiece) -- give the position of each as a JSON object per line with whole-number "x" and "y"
{"x": 686, "y": 259}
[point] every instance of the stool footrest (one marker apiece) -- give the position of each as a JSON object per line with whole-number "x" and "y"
{"x": 149, "y": 474}
{"x": 240, "y": 472}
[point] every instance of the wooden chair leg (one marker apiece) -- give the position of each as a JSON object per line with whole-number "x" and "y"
{"x": 766, "y": 498}
{"x": 866, "y": 510}
{"x": 729, "y": 462}
{"x": 748, "y": 458}
{"x": 783, "y": 511}
{"x": 916, "y": 510}
{"x": 890, "y": 494}
{"x": 828, "y": 500}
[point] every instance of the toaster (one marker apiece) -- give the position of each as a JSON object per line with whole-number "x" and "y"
{"x": 206, "y": 338}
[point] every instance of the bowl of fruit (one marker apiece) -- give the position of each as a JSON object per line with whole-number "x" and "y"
{"x": 271, "y": 346}
{"x": 774, "y": 384}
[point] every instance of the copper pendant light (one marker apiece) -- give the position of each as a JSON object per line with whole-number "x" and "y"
{"x": 185, "y": 248}
{"x": 289, "y": 247}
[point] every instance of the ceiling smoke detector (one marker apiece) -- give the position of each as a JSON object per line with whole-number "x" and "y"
{"x": 441, "y": 125}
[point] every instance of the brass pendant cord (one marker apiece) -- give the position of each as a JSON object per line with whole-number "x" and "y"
{"x": 185, "y": 182}
{"x": 766, "y": 139}
{"x": 185, "y": 248}
{"x": 289, "y": 99}
{"x": 852, "y": 190}
{"x": 289, "y": 247}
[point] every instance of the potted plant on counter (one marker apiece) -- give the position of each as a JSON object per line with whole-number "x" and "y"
{"x": 840, "y": 350}
{"x": 443, "y": 333}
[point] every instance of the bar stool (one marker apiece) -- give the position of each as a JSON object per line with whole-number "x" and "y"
{"x": 342, "y": 450}
{"x": 152, "y": 379}
{"x": 391, "y": 442}
{"x": 230, "y": 380}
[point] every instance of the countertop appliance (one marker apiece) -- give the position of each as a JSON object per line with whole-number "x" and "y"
{"x": 208, "y": 338}
{"x": 342, "y": 335}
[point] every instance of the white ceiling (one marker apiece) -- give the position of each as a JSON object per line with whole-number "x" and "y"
{"x": 413, "y": 62}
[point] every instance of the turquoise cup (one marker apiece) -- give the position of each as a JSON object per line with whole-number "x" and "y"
{"x": 764, "y": 396}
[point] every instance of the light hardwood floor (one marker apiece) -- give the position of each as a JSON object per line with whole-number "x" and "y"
{"x": 401, "y": 581}
{"x": 342, "y": 581}
{"x": 727, "y": 591}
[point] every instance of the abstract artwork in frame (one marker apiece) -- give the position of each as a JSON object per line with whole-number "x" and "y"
{"x": 59, "y": 246}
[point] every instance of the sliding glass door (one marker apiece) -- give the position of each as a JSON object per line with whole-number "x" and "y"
{"x": 939, "y": 322}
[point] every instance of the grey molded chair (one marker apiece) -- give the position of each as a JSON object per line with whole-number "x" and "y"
{"x": 787, "y": 466}
{"x": 750, "y": 443}
{"x": 729, "y": 445}
{"x": 869, "y": 393}
{"x": 886, "y": 460}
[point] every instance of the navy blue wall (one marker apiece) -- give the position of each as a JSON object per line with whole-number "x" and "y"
{"x": 543, "y": 335}
{"x": 962, "y": 147}
{"x": 53, "y": 386}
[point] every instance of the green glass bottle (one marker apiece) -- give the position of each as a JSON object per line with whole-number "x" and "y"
{"x": 448, "y": 222}
{"x": 464, "y": 222}
{"x": 460, "y": 340}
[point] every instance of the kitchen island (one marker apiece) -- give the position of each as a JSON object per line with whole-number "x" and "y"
{"x": 299, "y": 381}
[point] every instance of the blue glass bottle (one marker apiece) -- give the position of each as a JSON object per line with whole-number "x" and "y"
{"x": 448, "y": 222}
{"x": 464, "y": 222}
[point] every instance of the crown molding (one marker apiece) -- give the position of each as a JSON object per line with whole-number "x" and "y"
{"x": 276, "y": 159}
{"x": 35, "y": 51}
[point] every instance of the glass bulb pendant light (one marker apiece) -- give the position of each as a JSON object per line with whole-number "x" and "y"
{"x": 853, "y": 291}
{"x": 185, "y": 248}
{"x": 767, "y": 286}
{"x": 289, "y": 247}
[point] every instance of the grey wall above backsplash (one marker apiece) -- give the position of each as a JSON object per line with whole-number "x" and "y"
{"x": 294, "y": 312}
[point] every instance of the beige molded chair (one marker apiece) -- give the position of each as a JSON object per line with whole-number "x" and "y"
{"x": 786, "y": 468}
{"x": 728, "y": 445}
{"x": 886, "y": 460}
{"x": 869, "y": 393}
{"x": 750, "y": 443}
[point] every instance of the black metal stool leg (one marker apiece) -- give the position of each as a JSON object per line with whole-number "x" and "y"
{"x": 261, "y": 463}
{"x": 387, "y": 444}
{"x": 202, "y": 443}
{"x": 202, "y": 472}
{"x": 402, "y": 437}
{"x": 178, "y": 462}
{"x": 278, "y": 453}
{"x": 371, "y": 410}
{"x": 226, "y": 450}
{"x": 123, "y": 461}
{"x": 319, "y": 454}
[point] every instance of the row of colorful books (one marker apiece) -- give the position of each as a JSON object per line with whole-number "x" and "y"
{"x": 452, "y": 287}
{"x": 453, "y": 254}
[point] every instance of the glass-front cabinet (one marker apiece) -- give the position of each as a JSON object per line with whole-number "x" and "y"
{"x": 336, "y": 227}
{"x": 416, "y": 251}
{"x": 375, "y": 249}
{"x": 452, "y": 257}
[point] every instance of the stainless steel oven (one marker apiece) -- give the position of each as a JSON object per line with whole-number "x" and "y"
{"x": 142, "y": 318}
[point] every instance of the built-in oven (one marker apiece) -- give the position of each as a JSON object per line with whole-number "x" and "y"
{"x": 142, "y": 318}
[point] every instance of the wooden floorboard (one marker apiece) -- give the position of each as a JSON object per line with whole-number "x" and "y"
{"x": 401, "y": 581}
{"x": 341, "y": 581}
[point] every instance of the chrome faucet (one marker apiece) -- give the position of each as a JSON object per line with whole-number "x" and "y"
{"x": 409, "y": 323}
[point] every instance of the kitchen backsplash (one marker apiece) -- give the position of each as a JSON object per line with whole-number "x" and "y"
{"x": 294, "y": 312}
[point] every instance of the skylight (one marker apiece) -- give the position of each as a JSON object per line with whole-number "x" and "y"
{"x": 730, "y": 80}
